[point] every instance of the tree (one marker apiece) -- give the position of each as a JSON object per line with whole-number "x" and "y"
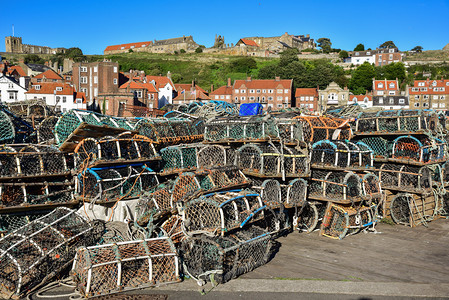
{"x": 130, "y": 51}
{"x": 33, "y": 59}
{"x": 387, "y": 44}
{"x": 417, "y": 49}
{"x": 325, "y": 44}
{"x": 343, "y": 54}
{"x": 243, "y": 65}
{"x": 182, "y": 51}
{"x": 288, "y": 56}
{"x": 362, "y": 78}
{"x": 199, "y": 50}
{"x": 391, "y": 72}
{"x": 359, "y": 47}
{"x": 75, "y": 53}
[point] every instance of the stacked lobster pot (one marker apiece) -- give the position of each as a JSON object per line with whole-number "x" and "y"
{"x": 410, "y": 155}
{"x": 344, "y": 193}
{"x": 33, "y": 180}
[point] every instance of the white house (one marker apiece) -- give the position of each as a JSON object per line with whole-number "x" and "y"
{"x": 165, "y": 88}
{"x": 364, "y": 101}
{"x": 359, "y": 57}
{"x": 62, "y": 95}
{"x": 11, "y": 90}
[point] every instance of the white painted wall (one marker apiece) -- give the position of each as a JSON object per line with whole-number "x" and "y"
{"x": 8, "y": 85}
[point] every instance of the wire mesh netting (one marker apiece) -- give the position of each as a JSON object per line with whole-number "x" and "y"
{"x": 414, "y": 209}
{"x": 12, "y": 221}
{"x": 340, "y": 221}
{"x": 210, "y": 156}
{"x": 122, "y": 266}
{"x": 172, "y": 228}
{"x": 406, "y": 178}
{"x": 421, "y": 150}
{"x": 341, "y": 154}
{"x": 398, "y": 121}
{"x": 266, "y": 160}
{"x": 233, "y": 129}
{"x": 121, "y": 149}
{"x": 7, "y": 130}
{"x": 224, "y": 258}
{"x": 315, "y": 129}
{"x": 109, "y": 184}
{"x": 381, "y": 147}
{"x": 35, "y": 252}
{"x": 46, "y": 130}
{"x": 50, "y": 192}
{"x": 179, "y": 158}
{"x": 335, "y": 186}
{"x": 32, "y": 160}
{"x": 219, "y": 213}
{"x": 296, "y": 193}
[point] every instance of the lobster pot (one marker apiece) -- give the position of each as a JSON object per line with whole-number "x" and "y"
{"x": 108, "y": 184}
{"x": 293, "y": 131}
{"x": 179, "y": 158}
{"x": 45, "y": 130}
{"x": 414, "y": 209}
{"x": 72, "y": 119}
{"x": 296, "y": 193}
{"x": 35, "y": 193}
{"x": 172, "y": 228}
{"x": 444, "y": 205}
{"x": 112, "y": 149}
{"x": 41, "y": 249}
{"x": 444, "y": 173}
{"x": 173, "y": 130}
{"x": 406, "y": 177}
{"x": 340, "y": 221}
{"x": 271, "y": 193}
{"x": 7, "y": 129}
{"x": 371, "y": 187}
{"x": 221, "y": 212}
{"x": 211, "y": 156}
{"x": 40, "y": 160}
{"x": 113, "y": 268}
{"x": 226, "y": 257}
{"x": 239, "y": 129}
{"x": 423, "y": 150}
{"x": 8, "y": 161}
{"x": 335, "y": 186}
{"x": 381, "y": 148}
{"x": 295, "y": 163}
{"x": 315, "y": 129}
{"x": 221, "y": 178}
{"x": 12, "y": 221}
{"x": 342, "y": 154}
{"x": 398, "y": 121}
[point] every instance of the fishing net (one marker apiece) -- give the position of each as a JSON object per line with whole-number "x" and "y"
{"x": 235, "y": 129}
{"x": 36, "y": 252}
{"x": 221, "y": 259}
{"x": 340, "y": 221}
{"x": 380, "y": 146}
{"x": 420, "y": 150}
{"x": 406, "y": 178}
{"x": 335, "y": 186}
{"x": 219, "y": 213}
{"x": 315, "y": 129}
{"x": 7, "y": 130}
{"x": 12, "y": 221}
{"x": 124, "y": 148}
{"x": 179, "y": 158}
{"x": 45, "y": 130}
{"x": 109, "y": 184}
{"x": 342, "y": 154}
{"x": 210, "y": 156}
{"x": 122, "y": 266}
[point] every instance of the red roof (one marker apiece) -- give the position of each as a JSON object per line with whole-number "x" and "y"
{"x": 429, "y": 87}
{"x": 79, "y": 95}
{"x": 306, "y": 92}
{"x": 249, "y": 42}
{"x": 49, "y": 74}
{"x": 386, "y": 85}
{"x": 127, "y": 46}
{"x": 139, "y": 86}
{"x": 19, "y": 70}
{"x": 360, "y": 98}
{"x": 263, "y": 84}
{"x": 222, "y": 90}
{"x": 187, "y": 87}
{"x": 194, "y": 95}
{"x": 50, "y": 88}
{"x": 160, "y": 81}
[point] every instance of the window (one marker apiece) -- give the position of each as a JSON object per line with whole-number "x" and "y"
{"x": 84, "y": 90}
{"x": 424, "y": 89}
{"x": 280, "y": 105}
{"x": 425, "y": 104}
{"x": 10, "y": 85}
{"x": 217, "y": 97}
{"x": 365, "y": 100}
{"x": 302, "y": 98}
{"x": 236, "y": 91}
{"x": 44, "y": 98}
{"x": 435, "y": 97}
{"x": 221, "y": 96}
{"x": 391, "y": 93}
{"x": 264, "y": 91}
{"x": 37, "y": 87}
{"x": 391, "y": 100}
{"x": 58, "y": 98}
{"x": 95, "y": 69}
{"x": 426, "y": 96}
{"x": 416, "y": 105}
{"x": 442, "y": 105}
{"x": 83, "y": 79}
{"x": 236, "y": 99}
{"x": 381, "y": 100}
{"x": 251, "y": 98}
{"x": 64, "y": 99}
{"x": 402, "y": 101}
{"x": 415, "y": 89}
{"x": 270, "y": 98}
{"x": 380, "y": 86}
{"x": 243, "y": 91}
{"x": 12, "y": 95}
{"x": 258, "y": 91}
{"x": 380, "y": 93}
{"x": 391, "y": 56}
{"x": 286, "y": 98}
{"x": 420, "y": 83}
{"x": 83, "y": 69}
{"x": 115, "y": 80}
{"x": 58, "y": 88}
{"x": 228, "y": 97}
{"x": 279, "y": 98}
{"x": 79, "y": 101}
{"x": 435, "y": 105}
{"x": 343, "y": 97}
{"x": 252, "y": 91}
{"x": 416, "y": 97}
{"x": 242, "y": 98}
{"x": 279, "y": 91}
{"x": 285, "y": 91}
{"x": 95, "y": 92}
{"x": 270, "y": 91}
{"x": 442, "y": 97}
{"x": 115, "y": 69}
{"x": 95, "y": 79}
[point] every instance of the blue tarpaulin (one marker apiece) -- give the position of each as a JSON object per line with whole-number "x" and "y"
{"x": 250, "y": 109}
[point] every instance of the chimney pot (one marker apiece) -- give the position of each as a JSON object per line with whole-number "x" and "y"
{"x": 277, "y": 78}
{"x": 229, "y": 81}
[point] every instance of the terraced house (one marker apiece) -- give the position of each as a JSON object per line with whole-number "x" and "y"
{"x": 429, "y": 94}
{"x": 274, "y": 93}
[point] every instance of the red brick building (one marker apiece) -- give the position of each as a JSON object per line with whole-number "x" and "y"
{"x": 47, "y": 76}
{"x": 96, "y": 78}
{"x": 387, "y": 56}
{"x": 223, "y": 93}
{"x": 274, "y": 93}
{"x": 429, "y": 94}
{"x": 307, "y": 98}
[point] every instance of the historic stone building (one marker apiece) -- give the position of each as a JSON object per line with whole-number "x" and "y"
{"x": 14, "y": 45}
{"x": 333, "y": 95}
{"x": 279, "y": 43}
{"x": 162, "y": 46}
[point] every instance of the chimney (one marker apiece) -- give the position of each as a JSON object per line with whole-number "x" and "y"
{"x": 229, "y": 81}
{"x": 277, "y": 78}
{"x": 193, "y": 83}
{"x": 248, "y": 78}
{"x": 308, "y": 35}
{"x": 211, "y": 88}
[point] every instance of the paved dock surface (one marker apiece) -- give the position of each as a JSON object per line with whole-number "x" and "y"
{"x": 396, "y": 262}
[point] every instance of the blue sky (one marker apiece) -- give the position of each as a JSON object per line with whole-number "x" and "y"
{"x": 93, "y": 25}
